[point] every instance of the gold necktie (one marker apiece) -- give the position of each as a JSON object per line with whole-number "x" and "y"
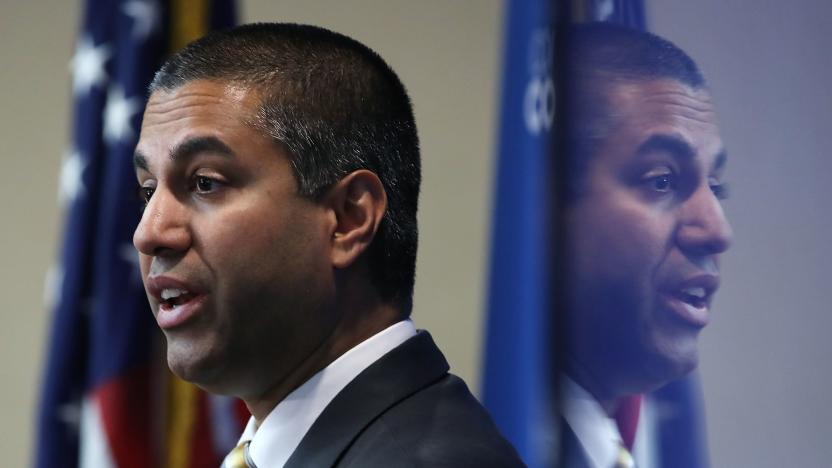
{"x": 624, "y": 460}
{"x": 238, "y": 457}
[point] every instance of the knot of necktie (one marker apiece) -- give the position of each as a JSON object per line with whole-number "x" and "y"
{"x": 239, "y": 457}
{"x": 624, "y": 459}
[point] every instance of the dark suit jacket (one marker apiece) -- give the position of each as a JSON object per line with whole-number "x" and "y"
{"x": 572, "y": 453}
{"x": 405, "y": 410}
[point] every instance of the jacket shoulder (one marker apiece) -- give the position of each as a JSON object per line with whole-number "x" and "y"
{"x": 442, "y": 425}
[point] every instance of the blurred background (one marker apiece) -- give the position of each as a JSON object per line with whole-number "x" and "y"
{"x": 765, "y": 358}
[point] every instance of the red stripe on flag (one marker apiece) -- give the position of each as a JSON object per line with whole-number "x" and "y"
{"x": 242, "y": 413}
{"x": 202, "y": 450}
{"x": 126, "y": 415}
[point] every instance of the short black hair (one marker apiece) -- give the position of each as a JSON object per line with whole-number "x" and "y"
{"x": 596, "y": 56}
{"x": 334, "y": 106}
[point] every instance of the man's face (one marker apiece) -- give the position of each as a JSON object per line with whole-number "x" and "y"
{"x": 235, "y": 263}
{"x": 644, "y": 237}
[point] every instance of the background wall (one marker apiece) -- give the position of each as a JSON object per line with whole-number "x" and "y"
{"x": 37, "y": 42}
{"x": 765, "y": 358}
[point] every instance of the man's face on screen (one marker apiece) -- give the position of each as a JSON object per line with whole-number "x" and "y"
{"x": 235, "y": 262}
{"x": 644, "y": 238}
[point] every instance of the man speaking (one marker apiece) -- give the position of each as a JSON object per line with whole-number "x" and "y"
{"x": 280, "y": 169}
{"x": 645, "y": 227}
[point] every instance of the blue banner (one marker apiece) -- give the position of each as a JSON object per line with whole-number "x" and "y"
{"x": 517, "y": 386}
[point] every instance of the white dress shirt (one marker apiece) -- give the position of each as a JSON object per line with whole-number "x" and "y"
{"x": 598, "y": 433}
{"x": 280, "y": 433}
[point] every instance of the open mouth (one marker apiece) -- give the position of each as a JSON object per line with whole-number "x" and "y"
{"x": 178, "y": 302}
{"x": 697, "y": 297}
{"x": 691, "y": 302}
{"x": 172, "y": 298}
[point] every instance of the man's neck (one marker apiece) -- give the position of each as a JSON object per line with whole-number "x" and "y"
{"x": 353, "y": 329}
{"x": 594, "y": 384}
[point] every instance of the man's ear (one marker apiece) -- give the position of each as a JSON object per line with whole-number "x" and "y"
{"x": 359, "y": 203}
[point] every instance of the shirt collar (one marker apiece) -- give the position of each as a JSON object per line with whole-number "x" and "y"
{"x": 280, "y": 433}
{"x": 596, "y": 432}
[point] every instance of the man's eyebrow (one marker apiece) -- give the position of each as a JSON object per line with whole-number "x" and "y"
{"x": 721, "y": 160}
{"x": 662, "y": 143}
{"x": 188, "y": 149}
{"x": 678, "y": 148}
{"x": 200, "y": 144}
{"x": 140, "y": 161}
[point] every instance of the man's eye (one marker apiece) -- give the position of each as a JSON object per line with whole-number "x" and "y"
{"x": 720, "y": 189}
{"x": 144, "y": 194}
{"x": 662, "y": 183}
{"x": 206, "y": 184}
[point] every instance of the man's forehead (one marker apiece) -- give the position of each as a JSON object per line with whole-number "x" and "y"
{"x": 201, "y": 95}
{"x": 636, "y": 98}
{"x": 202, "y": 107}
{"x": 662, "y": 113}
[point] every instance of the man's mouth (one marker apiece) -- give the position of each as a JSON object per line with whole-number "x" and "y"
{"x": 696, "y": 296}
{"x": 178, "y": 301}
{"x": 690, "y": 299}
{"x": 173, "y": 297}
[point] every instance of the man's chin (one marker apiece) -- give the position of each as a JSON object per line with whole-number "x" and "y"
{"x": 667, "y": 367}
{"x": 189, "y": 364}
{"x": 656, "y": 365}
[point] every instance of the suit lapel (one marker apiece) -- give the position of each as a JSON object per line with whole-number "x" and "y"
{"x": 413, "y": 365}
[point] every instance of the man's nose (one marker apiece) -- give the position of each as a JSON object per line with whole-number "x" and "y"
{"x": 704, "y": 228}
{"x": 163, "y": 229}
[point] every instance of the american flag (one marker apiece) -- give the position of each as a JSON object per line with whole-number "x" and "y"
{"x": 107, "y": 398}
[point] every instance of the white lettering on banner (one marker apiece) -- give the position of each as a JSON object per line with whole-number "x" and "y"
{"x": 539, "y": 104}
{"x": 539, "y": 98}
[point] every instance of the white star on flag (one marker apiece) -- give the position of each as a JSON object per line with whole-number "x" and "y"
{"x": 117, "y": 114}
{"x": 70, "y": 414}
{"x": 145, "y": 15}
{"x": 87, "y": 65}
{"x": 72, "y": 172}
